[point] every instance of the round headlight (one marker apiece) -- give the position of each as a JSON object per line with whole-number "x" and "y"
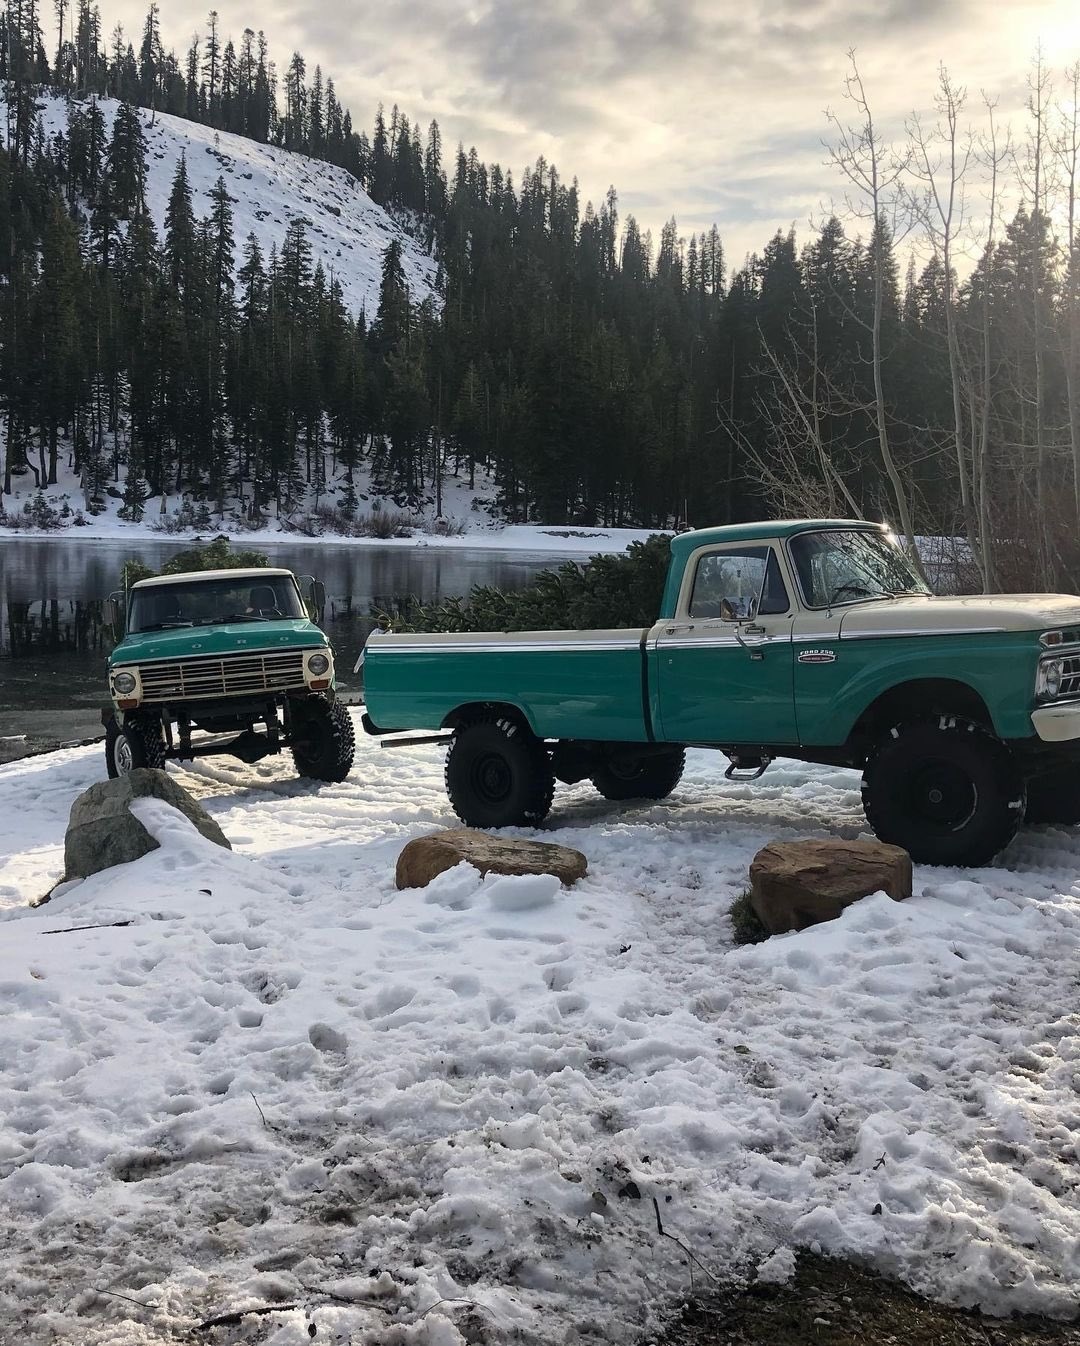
{"x": 318, "y": 663}
{"x": 1051, "y": 677}
{"x": 124, "y": 683}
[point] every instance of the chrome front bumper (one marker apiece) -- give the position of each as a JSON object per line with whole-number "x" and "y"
{"x": 1057, "y": 724}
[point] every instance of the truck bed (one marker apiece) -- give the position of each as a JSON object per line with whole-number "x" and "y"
{"x": 569, "y": 684}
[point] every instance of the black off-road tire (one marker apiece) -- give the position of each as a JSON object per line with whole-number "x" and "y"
{"x": 138, "y": 743}
{"x": 323, "y": 742}
{"x": 1053, "y": 798}
{"x": 650, "y": 776}
{"x": 945, "y": 790}
{"x": 498, "y": 774}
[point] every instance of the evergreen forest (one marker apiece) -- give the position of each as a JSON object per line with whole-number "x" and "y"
{"x": 914, "y": 357}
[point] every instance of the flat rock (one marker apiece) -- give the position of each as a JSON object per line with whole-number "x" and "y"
{"x": 425, "y": 857}
{"x": 102, "y": 831}
{"x": 794, "y": 884}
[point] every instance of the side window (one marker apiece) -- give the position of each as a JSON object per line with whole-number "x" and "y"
{"x": 730, "y": 585}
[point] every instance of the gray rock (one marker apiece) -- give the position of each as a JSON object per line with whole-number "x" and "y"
{"x": 102, "y": 831}
{"x": 425, "y": 857}
{"x": 794, "y": 884}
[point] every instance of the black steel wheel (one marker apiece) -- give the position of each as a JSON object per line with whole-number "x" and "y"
{"x": 322, "y": 739}
{"x": 138, "y": 743}
{"x": 647, "y": 776}
{"x": 945, "y": 790}
{"x": 498, "y": 774}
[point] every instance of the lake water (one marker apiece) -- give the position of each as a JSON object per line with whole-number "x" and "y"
{"x": 53, "y": 640}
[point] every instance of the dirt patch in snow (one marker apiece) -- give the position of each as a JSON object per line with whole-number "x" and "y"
{"x": 831, "y": 1302}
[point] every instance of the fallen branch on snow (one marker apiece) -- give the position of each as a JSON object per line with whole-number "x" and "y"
{"x": 694, "y": 1261}
{"x": 235, "y": 1318}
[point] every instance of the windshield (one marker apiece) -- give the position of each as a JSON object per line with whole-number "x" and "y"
{"x": 214, "y": 602}
{"x": 848, "y": 565}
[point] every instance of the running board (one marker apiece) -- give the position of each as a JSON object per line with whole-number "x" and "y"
{"x": 414, "y": 740}
{"x": 752, "y": 768}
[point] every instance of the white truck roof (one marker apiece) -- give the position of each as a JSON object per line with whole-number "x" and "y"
{"x": 254, "y": 573}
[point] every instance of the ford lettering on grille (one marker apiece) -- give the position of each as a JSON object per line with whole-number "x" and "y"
{"x": 231, "y": 675}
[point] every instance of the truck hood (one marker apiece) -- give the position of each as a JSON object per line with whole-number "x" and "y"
{"x": 919, "y": 614}
{"x": 191, "y": 642}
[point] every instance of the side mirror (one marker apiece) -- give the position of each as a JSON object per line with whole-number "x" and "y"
{"x": 114, "y": 614}
{"x": 314, "y": 592}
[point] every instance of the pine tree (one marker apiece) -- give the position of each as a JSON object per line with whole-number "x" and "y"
{"x": 125, "y": 166}
{"x": 59, "y": 371}
{"x": 192, "y": 87}
{"x": 212, "y": 71}
{"x": 180, "y": 253}
{"x": 150, "y": 57}
{"x": 221, "y": 245}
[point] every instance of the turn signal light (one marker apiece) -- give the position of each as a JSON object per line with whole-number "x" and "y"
{"x": 316, "y": 685}
{"x": 128, "y": 702}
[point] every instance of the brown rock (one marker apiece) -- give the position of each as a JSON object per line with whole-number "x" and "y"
{"x": 794, "y": 884}
{"x": 427, "y": 856}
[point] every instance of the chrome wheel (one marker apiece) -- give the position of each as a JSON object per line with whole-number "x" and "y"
{"x": 122, "y": 754}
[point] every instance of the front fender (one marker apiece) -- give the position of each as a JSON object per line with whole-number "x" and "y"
{"x": 830, "y": 698}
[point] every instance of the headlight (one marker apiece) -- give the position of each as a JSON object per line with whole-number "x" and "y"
{"x": 1048, "y": 679}
{"x": 318, "y": 664}
{"x": 124, "y": 683}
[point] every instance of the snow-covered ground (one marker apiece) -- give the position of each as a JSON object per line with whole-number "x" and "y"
{"x": 283, "y": 1080}
{"x": 348, "y": 232}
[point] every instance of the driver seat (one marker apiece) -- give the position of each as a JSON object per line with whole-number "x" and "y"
{"x": 263, "y": 599}
{"x": 167, "y": 608}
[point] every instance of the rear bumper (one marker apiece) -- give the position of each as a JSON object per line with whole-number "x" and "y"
{"x": 1057, "y": 724}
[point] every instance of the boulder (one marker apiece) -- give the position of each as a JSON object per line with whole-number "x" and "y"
{"x": 425, "y": 857}
{"x": 102, "y": 831}
{"x": 794, "y": 884}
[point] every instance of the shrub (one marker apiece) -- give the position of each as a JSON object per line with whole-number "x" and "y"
{"x": 43, "y": 515}
{"x": 216, "y": 555}
{"x": 608, "y": 592}
{"x": 183, "y": 521}
{"x": 383, "y": 523}
{"x": 744, "y": 921}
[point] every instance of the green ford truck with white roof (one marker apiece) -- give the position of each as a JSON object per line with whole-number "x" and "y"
{"x": 810, "y": 639}
{"x": 224, "y": 661}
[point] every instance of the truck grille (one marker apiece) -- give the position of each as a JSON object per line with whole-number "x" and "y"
{"x": 1070, "y": 677}
{"x": 232, "y": 675}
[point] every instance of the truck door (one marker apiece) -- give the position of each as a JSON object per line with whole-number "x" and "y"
{"x": 724, "y": 663}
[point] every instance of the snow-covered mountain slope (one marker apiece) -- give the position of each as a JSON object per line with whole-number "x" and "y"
{"x": 348, "y": 232}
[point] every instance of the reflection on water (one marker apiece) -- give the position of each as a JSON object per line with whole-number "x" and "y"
{"x": 54, "y": 639}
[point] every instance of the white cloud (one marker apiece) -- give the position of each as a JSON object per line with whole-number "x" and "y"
{"x": 705, "y": 110}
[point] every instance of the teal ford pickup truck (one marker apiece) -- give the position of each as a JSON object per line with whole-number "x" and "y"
{"x": 809, "y": 639}
{"x": 224, "y": 661}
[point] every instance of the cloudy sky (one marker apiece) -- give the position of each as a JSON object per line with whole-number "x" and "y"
{"x": 711, "y": 110}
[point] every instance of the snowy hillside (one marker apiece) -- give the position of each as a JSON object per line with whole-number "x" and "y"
{"x": 348, "y": 231}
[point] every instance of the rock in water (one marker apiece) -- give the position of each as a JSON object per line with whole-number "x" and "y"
{"x": 102, "y": 831}
{"x": 794, "y": 884}
{"x": 425, "y": 857}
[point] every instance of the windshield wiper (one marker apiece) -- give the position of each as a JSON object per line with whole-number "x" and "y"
{"x": 855, "y": 589}
{"x": 163, "y": 626}
{"x": 233, "y": 617}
